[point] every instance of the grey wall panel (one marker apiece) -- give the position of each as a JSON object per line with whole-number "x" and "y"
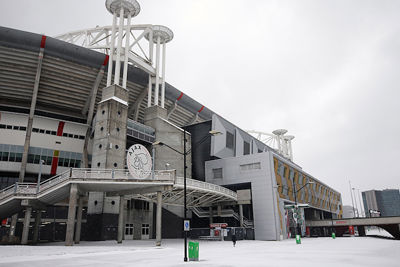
{"x": 262, "y": 186}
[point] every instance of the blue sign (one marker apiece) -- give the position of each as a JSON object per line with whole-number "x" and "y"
{"x": 186, "y": 225}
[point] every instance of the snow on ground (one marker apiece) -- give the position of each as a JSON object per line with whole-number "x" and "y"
{"x": 378, "y": 232}
{"x": 346, "y": 251}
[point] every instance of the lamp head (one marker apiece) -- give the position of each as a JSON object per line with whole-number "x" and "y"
{"x": 157, "y": 143}
{"x": 214, "y": 132}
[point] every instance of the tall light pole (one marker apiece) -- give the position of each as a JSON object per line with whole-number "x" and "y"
{"x": 330, "y": 210}
{"x": 185, "y": 153}
{"x": 297, "y": 209}
{"x": 352, "y": 201}
{"x": 355, "y": 200}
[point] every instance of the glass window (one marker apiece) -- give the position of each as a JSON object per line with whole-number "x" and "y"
{"x": 16, "y": 127}
{"x": 53, "y": 133}
{"x": 30, "y": 158}
{"x": 66, "y": 162}
{"x": 2, "y": 126}
{"x": 18, "y": 157}
{"x": 48, "y": 131}
{"x": 251, "y": 166}
{"x": 70, "y": 135}
{"x": 65, "y": 134}
{"x": 9, "y": 127}
{"x": 22, "y": 128}
{"x": 36, "y": 159}
{"x": 4, "y": 156}
{"x": 246, "y": 148}
{"x": 49, "y": 160}
{"x": 12, "y": 157}
{"x": 217, "y": 173}
{"x": 60, "y": 162}
{"x": 230, "y": 140}
{"x": 72, "y": 163}
{"x": 41, "y": 130}
{"x": 35, "y": 130}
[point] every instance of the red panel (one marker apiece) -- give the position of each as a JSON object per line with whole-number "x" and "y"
{"x": 106, "y": 60}
{"x": 180, "y": 96}
{"x": 43, "y": 42}
{"x": 54, "y": 165}
{"x": 60, "y": 128}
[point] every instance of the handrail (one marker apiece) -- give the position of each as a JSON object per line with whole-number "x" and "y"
{"x": 79, "y": 173}
{"x": 207, "y": 186}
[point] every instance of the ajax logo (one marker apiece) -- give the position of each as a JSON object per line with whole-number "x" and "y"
{"x": 139, "y": 161}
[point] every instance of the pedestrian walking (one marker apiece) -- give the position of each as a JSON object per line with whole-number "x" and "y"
{"x": 234, "y": 239}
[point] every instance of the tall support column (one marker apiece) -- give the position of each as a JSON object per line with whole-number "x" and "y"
{"x": 32, "y": 112}
{"x": 119, "y": 47}
{"x": 241, "y": 215}
{"x": 156, "y": 90}
{"x": 163, "y": 76}
{"x": 151, "y": 45}
{"x": 69, "y": 236}
{"x": 127, "y": 36}
{"x": 158, "y": 218}
{"x": 79, "y": 221}
{"x": 210, "y": 210}
{"x": 13, "y": 225}
{"x": 121, "y": 219}
{"x": 110, "y": 62}
{"x": 36, "y": 228}
{"x": 25, "y": 230}
{"x": 90, "y": 106}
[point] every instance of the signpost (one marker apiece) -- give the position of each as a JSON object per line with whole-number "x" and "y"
{"x": 186, "y": 225}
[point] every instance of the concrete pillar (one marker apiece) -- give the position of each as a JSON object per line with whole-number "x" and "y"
{"x": 210, "y": 210}
{"x": 158, "y": 218}
{"x": 14, "y": 220}
{"x": 36, "y": 228}
{"x": 79, "y": 221}
{"x": 241, "y": 215}
{"x": 25, "y": 231}
{"x": 69, "y": 235}
{"x": 121, "y": 220}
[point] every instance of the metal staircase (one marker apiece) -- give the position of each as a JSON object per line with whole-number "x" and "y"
{"x": 201, "y": 213}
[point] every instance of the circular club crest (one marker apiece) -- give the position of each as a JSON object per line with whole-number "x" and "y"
{"x": 139, "y": 161}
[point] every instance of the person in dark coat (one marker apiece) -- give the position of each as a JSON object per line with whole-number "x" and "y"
{"x": 234, "y": 239}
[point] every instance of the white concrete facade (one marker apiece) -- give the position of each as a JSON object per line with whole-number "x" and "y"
{"x": 263, "y": 188}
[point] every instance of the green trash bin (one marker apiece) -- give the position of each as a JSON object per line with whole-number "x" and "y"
{"x": 193, "y": 251}
{"x": 298, "y": 239}
{"x": 333, "y": 235}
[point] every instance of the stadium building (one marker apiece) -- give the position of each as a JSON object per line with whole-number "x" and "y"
{"x": 72, "y": 111}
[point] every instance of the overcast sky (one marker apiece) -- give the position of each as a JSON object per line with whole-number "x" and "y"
{"x": 328, "y": 71}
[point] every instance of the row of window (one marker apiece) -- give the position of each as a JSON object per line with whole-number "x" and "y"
{"x": 129, "y": 229}
{"x": 218, "y": 172}
{"x": 230, "y": 143}
{"x": 13, "y": 153}
{"x": 42, "y": 131}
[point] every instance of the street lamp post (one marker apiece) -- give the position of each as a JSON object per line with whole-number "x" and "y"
{"x": 330, "y": 210}
{"x": 39, "y": 176}
{"x": 185, "y": 153}
{"x": 296, "y": 229}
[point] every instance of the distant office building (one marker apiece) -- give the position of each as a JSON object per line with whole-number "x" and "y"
{"x": 348, "y": 212}
{"x": 381, "y": 202}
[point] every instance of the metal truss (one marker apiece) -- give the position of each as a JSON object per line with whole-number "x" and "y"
{"x": 99, "y": 39}
{"x": 199, "y": 194}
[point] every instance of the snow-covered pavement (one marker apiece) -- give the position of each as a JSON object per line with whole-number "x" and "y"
{"x": 346, "y": 251}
